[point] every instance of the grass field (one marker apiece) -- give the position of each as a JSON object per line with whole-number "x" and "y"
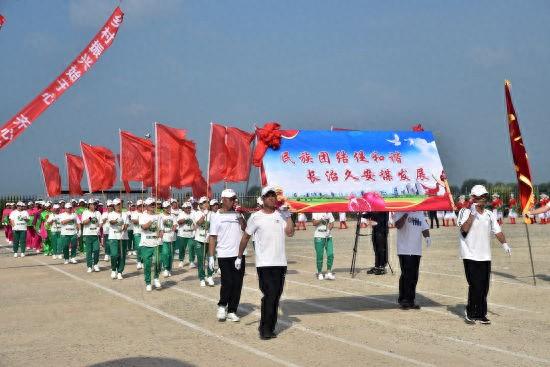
{"x": 58, "y": 315}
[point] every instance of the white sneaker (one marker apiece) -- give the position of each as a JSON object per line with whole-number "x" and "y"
{"x": 233, "y": 317}
{"x": 113, "y": 274}
{"x": 15, "y": 255}
{"x": 89, "y": 270}
{"x": 66, "y": 262}
{"x": 320, "y": 276}
{"x": 96, "y": 267}
{"x": 134, "y": 253}
{"x": 139, "y": 266}
{"x": 72, "y": 260}
{"x": 210, "y": 281}
{"x": 157, "y": 284}
{"x": 106, "y": 258}
{"x": 37, "y": 251}
{"x": 54, "y": 256}
{"x": 22, "y": 254}
{"x": 148, "y": 288}
{"x": 192, "y": 265}
{"x": 203, "y": 283}
{"x": 219, "y": 271}
{"x": 169, "y": 274}
{"x": 119, "y": 276}
{"x": 221, "y": 314}
{"x": 180, "y": 264}
{"x": 165, "y": 273}
{"x": 330, "y": 276}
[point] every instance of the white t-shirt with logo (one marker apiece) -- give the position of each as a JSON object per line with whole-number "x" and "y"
{"x": 105, "y": 223}
{"x": 201, "y": 233}
{"x": 129, "y": 219}
{"x": 53, "y": 221}
{"x": 149, "y": 237}
{"x": 269, "y": 238}
{"x": 322, "y": 230}
{"x": 227, "y": 228}
{"x": 134, "y": 216}
{"x": 167, "y": 222}
{"x": 409, "y": 237}
{"x": 92, "y": 228}
{"x": 115, "y": 230}
{"x": 185, "y": 230}
{"x": 20, "y": 218}
{"x": 477, "y": 243}
{"x": 68, "y": 229}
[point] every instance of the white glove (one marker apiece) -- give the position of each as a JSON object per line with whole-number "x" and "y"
{"x": 507, "y": 249}
{"x": 238, "y": 262}
{"x": 211, "y": 262}
{"x": 428, "y": 241}
{"x": 473, "y": 210}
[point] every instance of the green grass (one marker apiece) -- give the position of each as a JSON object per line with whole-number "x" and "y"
{"x": 411, "y": 198}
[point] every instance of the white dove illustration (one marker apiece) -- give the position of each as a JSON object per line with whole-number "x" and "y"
{"x": 395, "y": 140}
{"x": 411, "y": 141}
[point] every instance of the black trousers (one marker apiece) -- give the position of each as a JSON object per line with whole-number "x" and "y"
{"x": 409, "y": 278}
{"x": 478, "y": 275}
{"x": 433, "y": 215}
{"x": 272, "y": 281}
{"x": 232, "y": 283}
{"x": 380, "y": 247}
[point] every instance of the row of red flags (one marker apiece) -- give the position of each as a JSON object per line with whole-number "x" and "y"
{"x": 170, "y": 162}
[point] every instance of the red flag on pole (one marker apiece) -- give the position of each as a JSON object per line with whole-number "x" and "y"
{"x": 100, "y": 166}
{"x": 168, "y": 142}
{"x": 125, "y": 183}
{"x": 78, "y": 67}
{"x": 239, "y": 154}
{"x": 199, "y": 186}
{"x": 75, "y": 170}
{"x": 2, "y": 20}
{"x": 52, "y": 179}
{"x": 189, "y": 166}
{"x": 519, "y": 154}
{"x": 217, "y": 158}
{"x": 137, "y": 159}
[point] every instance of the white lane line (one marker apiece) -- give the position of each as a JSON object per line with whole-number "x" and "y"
{"x": 176, "y": 319}
{"x": 418, "y": 291}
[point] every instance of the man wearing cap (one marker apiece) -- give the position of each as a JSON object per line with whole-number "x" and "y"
{"x": 201, "y": 221}
{"x": 91, "y": 220}
{"x": 185, "y": 234}
{"x": 168, "y": 235}
{"x": 118, "y": 239}
{"x": 54, "y": 235}
{"x": 134, "y": 218}
{"x": 322, "y": 241}
{"x": 226, "y": 229}
{"x": 106, "y": 226}
{"x": 214, "y": 206}
{"x": 269, "y": 227}
{"x": 411, "y": 227}
{"x": 18, "y": 221}
{"x": 149, "y": 243}
{"x": 476, "y": 225}
{"x": 70, "y": 228}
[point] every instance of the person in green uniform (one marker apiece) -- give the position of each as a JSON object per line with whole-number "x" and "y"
{"x": 185, "y": 234}
{"x": 118, "y": 239}
{"x": 201, "y": 221}
{"x": 150, "y": 241}
{"x": 91, "y": 219}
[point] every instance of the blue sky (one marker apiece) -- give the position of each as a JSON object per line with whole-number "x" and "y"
{"x": 372, "y": 65}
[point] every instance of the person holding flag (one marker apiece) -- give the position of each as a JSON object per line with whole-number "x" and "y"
{"x": 131, "y": 245}
{"x": 106, "y": 227}
{"x": 55, "y": 232}
{"x": 149, "y": 242}
{"x": 134, "y": 219}
{"x": 91, "y": 219}
{"x": 118, "y": 239}
{"x": 322, "y": 240}
{"x": 18, "y": 221}
{"x": 185, "y": 234}
{"x": 70, "y": 230}
{"x": 168, "y": 235}
{"x": 201, "y": 221}
{"x": 476, "y": 225}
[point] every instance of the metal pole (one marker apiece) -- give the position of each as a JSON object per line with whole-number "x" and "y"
{"x": 354, "y": 257}
{"x": 530, "y": 253}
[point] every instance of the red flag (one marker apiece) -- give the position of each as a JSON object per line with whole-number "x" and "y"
{"x": 217, "y": 164}
{"x": 168, "y": 143}
{"x": 519, "y": 154}
{"x": 52, "y": 179}
{"x": 126, "y": 184}
{"x": 189, "y": 166}
{"x": 417, "y": 127}
{"x": 137, "y": 159}
{"x": 75, "y": 170}
{"x": 100, "y": 167}
{"x": 199, "y": 186}
{"x": 84, "y": 61}
{"x": 239, "y": 154}
{"x": 2, "y": 20}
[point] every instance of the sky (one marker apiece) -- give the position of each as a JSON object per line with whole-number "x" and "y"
{"x": 368, "y": 65}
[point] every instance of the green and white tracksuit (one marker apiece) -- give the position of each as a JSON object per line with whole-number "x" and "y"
{"x": 118, "y": 240}
{"x": 90, "y": 233}
{"x": 184, "y": 237}
{"x": 322, "y": 239}
{"x": 149, "y": 244}
{"x": 167, "y": 226}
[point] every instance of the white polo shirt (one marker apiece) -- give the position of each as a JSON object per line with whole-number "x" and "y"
{"x": 105, "y": 223}
{"x": 269, "y": 238}
{"x": 68, "y": 229}
{"x": 115, "y": 230}
{"x": 227, "y": 228}
{"x": 322, "y": 230}
{"x": 201, "y": 233}
{"x": 92, "y": 228}
{"x": 20, "y": 218}
{"x": 53, "y": 221}
{"x": 185, "y": 230}
{"x": 149, "y": 237}
{"x": 134, "y": 216}
{"x": 167, "y": 222}
{"x": 477, "y": 243}
{"x": 409, "y": 237}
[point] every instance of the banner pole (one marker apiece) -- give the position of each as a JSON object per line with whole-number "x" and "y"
{"x": 530, "y": 253}
{"x": 354, "y": 257}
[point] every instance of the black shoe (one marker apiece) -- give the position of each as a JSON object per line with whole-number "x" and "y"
{"x": 380, "y": 271}
{"x": 484, "y": 321}
{"x": 267, "y": 336}
{"x": 414, "y": 306}
{"x": 371, "y": 270}
{"x": 469, "y": 320}
{"x": 404, "y": 306}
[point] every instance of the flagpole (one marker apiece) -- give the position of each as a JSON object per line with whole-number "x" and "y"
{"x": 86, "y": 168}
{"x": 530, "y": 252}
{"x": 208, "y": 173}
{"x": 44, "y": 177}
{"x": 156, "y": 164}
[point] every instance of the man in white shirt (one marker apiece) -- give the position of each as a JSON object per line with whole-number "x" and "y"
{"x": 185, "y": 234}
{"x": 105, "y": 226}
{"x": 134, "y": 219}
{"x": 168, "y": 231}
{"x": 214, "y": 205}
{"x": 411, "y": 227}
{"x": 226, "y": 230}
{"x": 322, "y": 240}
{"x": 131, "y": 244}
{"x": 269, "y": 227}
{"x": 201, "y": 220}
{"x": 118, "y": 239}
{"x": 70, "y": 228}
{"x": 18, "y": 220}
{"x": 55, "y": 229}
{"x": 150, "y": 241}
{"x": 476, "y": 224}
{"x": 91, "y": 220}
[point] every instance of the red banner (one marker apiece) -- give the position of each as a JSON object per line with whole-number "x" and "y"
{"x": 2, "y": 20}
{"x": 52, "y": 179}
{"x": 217, "y": 164}
{"x": 137, "y": 159}
{"x": 519, "y": 154}
{"x": 75, "y": 170}
{"x": 100, "y": 167}
{"x": 85, "y": 60}
{"x": 168, "y": 156}
{"x": 239, "y": 154}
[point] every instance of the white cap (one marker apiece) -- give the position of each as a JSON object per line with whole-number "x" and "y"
{"x": 228, "y": 193}
{"x": 191, "y": 200}
{"x": 91, "y": 201}
{"x": 68, "y": 206}
{"x": 82, "y": 201}
{"x": 47, "y": 204}
{"x": 73, "y": 201}
{"x": 55, "y": 206}
{"x": 109, "y": 202}
{"x": 496, "y": 195}
{"x": 203, "y": 199}
{"x": 149, "y": 201}
{"x": 116, "y": 201}
{"x": 213, "y": 202}
{"x": 30, "y": 203}
{"x": 166, "y": 204}
{"x": 20, "y": 203}
{"x": 186, "y": 205}
{"x": 478, "y": 190}
{"x": 259, "y": 201}
{"x": 172, "y": 200}
{"x": 139, "y": 202}
{"x": 267, "y": 189}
